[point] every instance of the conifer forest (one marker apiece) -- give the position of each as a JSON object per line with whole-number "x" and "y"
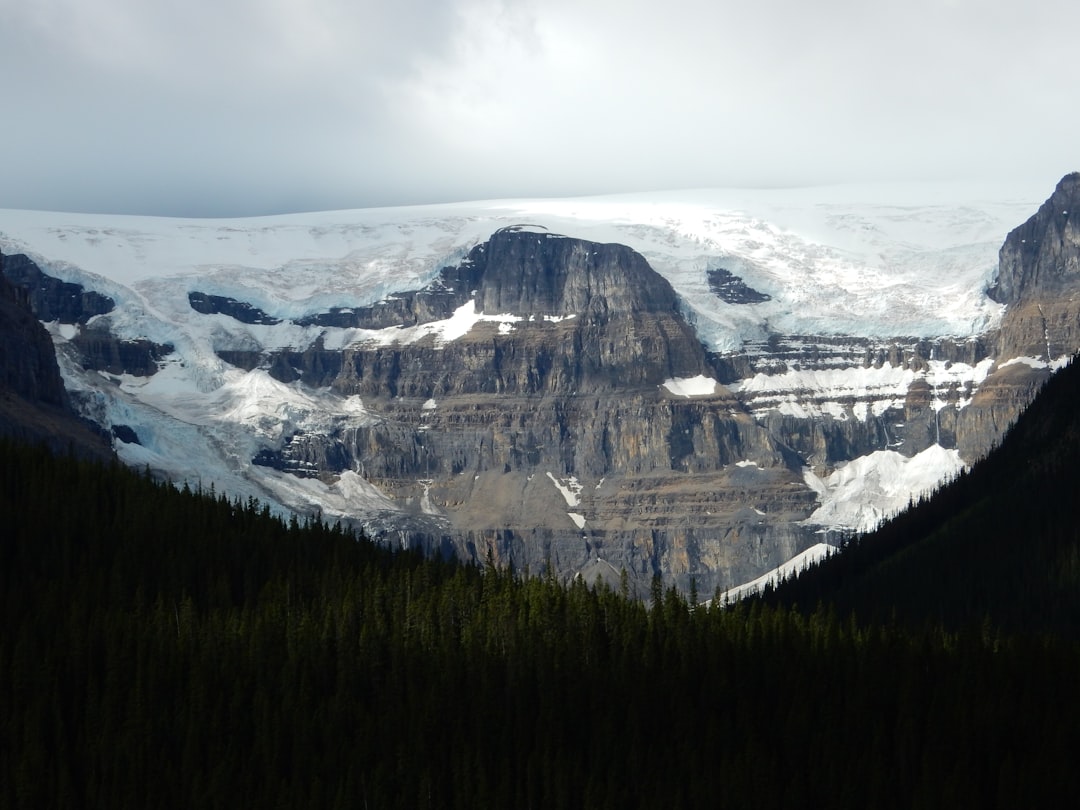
{"x": 166, "y": 647}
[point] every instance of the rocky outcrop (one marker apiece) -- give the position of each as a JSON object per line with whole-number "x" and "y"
{"x": 731, "y": 289}
{"x": 1041, "y": 258}
{"x": 1039, "y": 279}
{"x": 28, "y": 367}
{"x": 34, "y": 406}
{"x": 100, "y": 350}
{"x": 51, "y": 299}
{"x": 206, "y": 304}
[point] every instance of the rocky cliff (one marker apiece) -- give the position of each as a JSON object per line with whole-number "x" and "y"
{"x": 99, "y": 349}
{"x": 1038, "y": 280}
{"x": 579, "y": 426}
{"x": 33, "y": 403}
{"x": 550, "y": 399}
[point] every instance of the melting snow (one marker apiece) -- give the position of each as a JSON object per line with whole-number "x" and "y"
{"x": 792, "y": 567}
{"x": 699, "y": 386}
{"x": 1035, "y": 362}
{"x": 865, "y": 491}
{"x": 456, "y": 326}
{"x": 570, "y": 489}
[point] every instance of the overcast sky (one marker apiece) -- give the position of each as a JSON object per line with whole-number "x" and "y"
{"x": 238, "y": 107}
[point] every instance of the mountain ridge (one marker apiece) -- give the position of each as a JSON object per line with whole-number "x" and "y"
{"x": 331, "y": 372}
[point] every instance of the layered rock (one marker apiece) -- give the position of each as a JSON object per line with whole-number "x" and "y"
{"x": 544, "y": 399}
{"x": 33, "y": 403}
{"x": 100, "y": 350}
{"x": 833, "y": 399}
{"x": 579, "y": 425}
{"x": 52, "y": 300}
{"x": 1041, "y": 258}
{"x": 1038, "y": 280}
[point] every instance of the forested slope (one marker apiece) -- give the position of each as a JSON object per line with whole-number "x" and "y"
{"x": 164, "y": 648}
{"x": 998, "y": 547}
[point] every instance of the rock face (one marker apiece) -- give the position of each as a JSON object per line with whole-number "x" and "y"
{"x": 1041, "y": 258}
{"x": 100, "y": 350}
{"x": 547, "y": 434}
{"x": 50, "y": 299}
{"x": 28, "y": 364}
{"x": 1039, "y": 279}
{"x": 576, "y": 420}
{"x": 207, "y": 304}
{"x": 547, "y": 400}
{"x": 33, "y": 403}
{"x": 1039, "y": 282}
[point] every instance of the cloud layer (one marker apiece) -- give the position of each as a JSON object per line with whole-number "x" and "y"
{"x": 259, "y": 106}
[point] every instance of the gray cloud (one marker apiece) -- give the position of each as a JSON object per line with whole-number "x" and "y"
{"x": 249, "y": 106}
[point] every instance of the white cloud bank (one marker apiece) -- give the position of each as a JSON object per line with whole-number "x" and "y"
{"x": 247, "y": 107}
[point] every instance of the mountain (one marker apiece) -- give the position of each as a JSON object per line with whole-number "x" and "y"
{"x": 700, "y": 385}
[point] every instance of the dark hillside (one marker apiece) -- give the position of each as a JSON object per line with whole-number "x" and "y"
{"x": 998, "y": 547}
{"x": 170, "y": 649}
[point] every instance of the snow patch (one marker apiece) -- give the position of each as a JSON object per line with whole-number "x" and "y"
{"x": 445, "y": 331}
{"x": 863, "y": 492}
{"x": 699, "y": 386}
{"x": 570, "y": 488}
{"x": 65, "y": 331}
{"x": 1036, "y": 363}
{"x": 792, "y": 567}
{"x": 579, "y": 520}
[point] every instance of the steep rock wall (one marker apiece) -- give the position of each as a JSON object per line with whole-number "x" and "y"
{"x": 34, "y": 406}
{"x": 552, "y": 438}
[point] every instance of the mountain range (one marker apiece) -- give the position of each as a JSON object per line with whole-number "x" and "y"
{"x": 700, "y": 386}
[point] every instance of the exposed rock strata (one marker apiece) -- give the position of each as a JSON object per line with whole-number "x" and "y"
{"x": 555, "y": 440}
{"x": 1038, "y": 280}
{"x": 551, "y": 439}
{"x": 543, "y": 430}
{"x": 51, "y": 299}
{"x": 100, "y": 350}
{"x": 207, "y": 304}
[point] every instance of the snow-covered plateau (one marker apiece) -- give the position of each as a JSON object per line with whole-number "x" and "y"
{"x": 874, "y": 262}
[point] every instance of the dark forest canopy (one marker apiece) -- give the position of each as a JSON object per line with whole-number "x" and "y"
{"x": 170, "y": 648}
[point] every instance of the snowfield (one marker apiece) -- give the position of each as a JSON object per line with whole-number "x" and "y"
{"x": 871, "y": 261}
